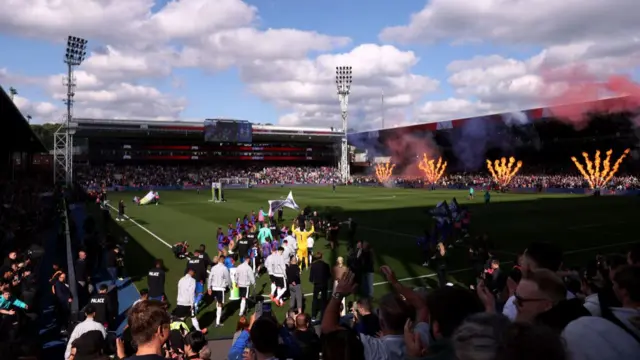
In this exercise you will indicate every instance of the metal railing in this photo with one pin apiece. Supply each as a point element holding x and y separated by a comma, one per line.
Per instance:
<point>71,273</point>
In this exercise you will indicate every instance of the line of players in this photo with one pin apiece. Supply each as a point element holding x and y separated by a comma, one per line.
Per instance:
<point>270,249</point>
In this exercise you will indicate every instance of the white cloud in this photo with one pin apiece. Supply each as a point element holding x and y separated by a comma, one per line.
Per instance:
<point>211,35</point>
<point>41,112</point>
<point>583,44</point>
<point>308,86</point>
<point>541,22</point>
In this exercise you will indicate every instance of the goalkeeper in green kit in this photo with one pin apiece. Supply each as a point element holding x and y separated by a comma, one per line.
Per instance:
<point>264,233</point>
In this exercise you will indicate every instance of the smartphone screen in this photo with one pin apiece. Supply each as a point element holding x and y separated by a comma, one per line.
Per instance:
<point>266,308</point>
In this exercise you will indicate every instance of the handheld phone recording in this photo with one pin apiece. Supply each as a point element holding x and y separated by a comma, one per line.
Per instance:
<point>266,308</point>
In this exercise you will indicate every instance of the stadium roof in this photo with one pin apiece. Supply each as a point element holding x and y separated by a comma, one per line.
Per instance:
<point>615,104</point>
<point>17,135</point>
<point>133,128</point>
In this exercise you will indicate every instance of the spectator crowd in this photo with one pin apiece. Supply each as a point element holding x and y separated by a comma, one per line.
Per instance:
<point>27,214</point>
<point>152,175</point>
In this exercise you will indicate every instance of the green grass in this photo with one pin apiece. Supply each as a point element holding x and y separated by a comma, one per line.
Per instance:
<point>390,219</point>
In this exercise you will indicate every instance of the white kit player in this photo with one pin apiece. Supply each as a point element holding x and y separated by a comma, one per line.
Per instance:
<point>244,279</point>
<point>219,281</point>
<point>279,272</point>
<point>185,304</point>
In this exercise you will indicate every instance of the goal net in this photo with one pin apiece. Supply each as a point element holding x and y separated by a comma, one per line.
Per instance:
<point>234,183</point>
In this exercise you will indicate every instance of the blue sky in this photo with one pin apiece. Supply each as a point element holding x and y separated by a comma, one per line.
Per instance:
<point>494,60</point>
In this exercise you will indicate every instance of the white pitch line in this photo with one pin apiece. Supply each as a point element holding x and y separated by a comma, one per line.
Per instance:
<point>600,247</point>
<point>143,228</point>
<point>401,234</point>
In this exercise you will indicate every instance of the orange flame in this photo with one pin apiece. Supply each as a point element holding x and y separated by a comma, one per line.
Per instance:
<point>384,171</point>
<point>595,176</point>
<point>503,172</point>
<point>432,170</point>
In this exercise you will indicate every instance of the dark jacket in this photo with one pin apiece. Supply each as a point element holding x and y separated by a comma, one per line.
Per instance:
<point>320,273</point>
<point>559,316</point>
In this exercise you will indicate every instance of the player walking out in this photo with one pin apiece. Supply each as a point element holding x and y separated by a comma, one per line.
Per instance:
<point>301,239</point>
<point>279,268</point>
<point>264,233</point>
<point>268,264</point>
<point>186,298</point>
<point>244,278</point>
<point>471,191</point>
<point>219,281</point>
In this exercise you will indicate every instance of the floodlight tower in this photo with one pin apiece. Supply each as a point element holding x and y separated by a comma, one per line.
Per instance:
<point>343,83</point>
<point>63,137</point>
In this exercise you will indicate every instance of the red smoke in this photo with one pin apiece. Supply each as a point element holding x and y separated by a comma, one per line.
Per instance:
<point>583,92</point>
<point>406,152</point>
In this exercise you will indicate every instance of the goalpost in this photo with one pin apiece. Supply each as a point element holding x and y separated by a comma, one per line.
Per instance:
<point>217,188</point>
<point>216,192</point>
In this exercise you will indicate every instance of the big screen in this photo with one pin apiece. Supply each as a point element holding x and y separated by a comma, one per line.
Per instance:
<point>227,131</point>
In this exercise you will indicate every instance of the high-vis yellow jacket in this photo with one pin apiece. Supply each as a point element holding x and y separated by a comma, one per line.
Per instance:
<point>302,236</point>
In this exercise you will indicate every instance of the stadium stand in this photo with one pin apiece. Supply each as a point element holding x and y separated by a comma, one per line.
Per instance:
<point>535,308</point>
<point>29,239</point>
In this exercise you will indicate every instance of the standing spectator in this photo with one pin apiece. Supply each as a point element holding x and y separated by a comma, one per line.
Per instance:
<point>155,281</point>
<point>480,336</point>
<point>319,276</point>
<point>307,338</point>
<point>63,300</point>
<point>338,271</point>
<point>112,264</point>
<point>89,324</point>
<point>440,262</point>
<point>121,207</point>
<point>82,272</point>
<point>539,255</point>
<point>365,321</point>
<point>541,299</point>
<point>149,323</point>
<point>366,268</point>
<point>295,288</point>
<point>194,342</point>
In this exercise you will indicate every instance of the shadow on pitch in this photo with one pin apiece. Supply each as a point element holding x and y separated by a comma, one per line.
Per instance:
<point>572,223</point>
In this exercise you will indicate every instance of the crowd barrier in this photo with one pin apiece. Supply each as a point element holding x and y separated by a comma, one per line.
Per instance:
<point>527,190</point>
<point>71,274</point>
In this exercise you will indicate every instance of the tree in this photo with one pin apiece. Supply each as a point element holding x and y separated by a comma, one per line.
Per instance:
<point>12,92</point>
<point>45,133</point>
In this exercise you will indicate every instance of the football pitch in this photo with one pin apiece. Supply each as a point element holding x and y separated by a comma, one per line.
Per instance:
<point>389,219</point>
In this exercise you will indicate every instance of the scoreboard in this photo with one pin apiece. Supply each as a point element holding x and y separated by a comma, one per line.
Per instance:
<point>232,131</point>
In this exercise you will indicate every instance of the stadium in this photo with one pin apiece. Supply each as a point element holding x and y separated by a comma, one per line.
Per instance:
<point>391,192</point>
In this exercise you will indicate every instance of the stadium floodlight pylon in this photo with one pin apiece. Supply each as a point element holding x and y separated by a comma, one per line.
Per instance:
<point>344,77</point>
<point>63,138</point>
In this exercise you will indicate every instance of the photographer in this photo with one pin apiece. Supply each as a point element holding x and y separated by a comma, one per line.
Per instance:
<point>180,250</point>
